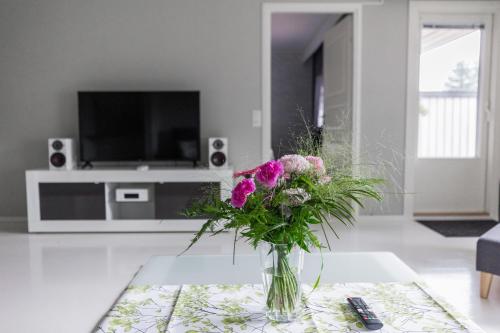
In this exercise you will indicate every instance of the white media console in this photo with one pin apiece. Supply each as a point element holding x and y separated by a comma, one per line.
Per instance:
<point>147,201</point>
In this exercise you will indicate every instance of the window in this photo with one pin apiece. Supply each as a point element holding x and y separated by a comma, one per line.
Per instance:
<point>449,91</point>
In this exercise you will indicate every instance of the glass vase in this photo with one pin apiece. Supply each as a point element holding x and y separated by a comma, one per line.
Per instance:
<point>281,270</point>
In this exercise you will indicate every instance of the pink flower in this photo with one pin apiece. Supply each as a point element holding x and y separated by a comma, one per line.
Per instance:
<point>238,199</point>
<point>241,191</point>
<point>317,164</point>
<point>294,164</point>
<point>269,173</point>
<point>246,172</point>
<point>246,186</point>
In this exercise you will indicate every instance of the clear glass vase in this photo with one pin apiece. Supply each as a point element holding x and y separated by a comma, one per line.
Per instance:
<point>281,270</point>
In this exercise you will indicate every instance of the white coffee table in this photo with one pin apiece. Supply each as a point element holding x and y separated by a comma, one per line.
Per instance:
<point>212,269</point>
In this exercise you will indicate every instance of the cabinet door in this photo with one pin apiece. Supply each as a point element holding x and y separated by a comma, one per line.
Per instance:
<point>173,198</point>
<point>72,201</point>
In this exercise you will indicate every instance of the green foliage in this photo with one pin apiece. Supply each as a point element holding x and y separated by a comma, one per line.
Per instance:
<point>267,218</point>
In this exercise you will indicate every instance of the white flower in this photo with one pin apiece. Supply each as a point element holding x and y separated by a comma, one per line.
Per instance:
<point>297,196</point>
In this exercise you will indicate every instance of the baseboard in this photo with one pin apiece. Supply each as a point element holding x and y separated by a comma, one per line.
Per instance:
<point>454,217</point>
<point>13,219</point>
<point>450,214</point>
<point>382,218</point>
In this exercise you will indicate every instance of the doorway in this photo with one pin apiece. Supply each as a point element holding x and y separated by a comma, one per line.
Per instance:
<point>326,56</point>
<point>450,171</point>
<point>450,158</point>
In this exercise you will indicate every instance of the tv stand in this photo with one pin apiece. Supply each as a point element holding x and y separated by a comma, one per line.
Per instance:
<point>142,167</point>
<point>94,200</point>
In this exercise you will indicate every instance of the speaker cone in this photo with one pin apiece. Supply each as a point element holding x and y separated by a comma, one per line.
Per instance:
<point>218,158</point>
<point>57,159</point>
<point>57,145</point>
<point>218,144</point>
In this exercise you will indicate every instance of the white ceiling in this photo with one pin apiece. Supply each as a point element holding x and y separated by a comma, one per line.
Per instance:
<point>292,32</point>
<point>433,38</point>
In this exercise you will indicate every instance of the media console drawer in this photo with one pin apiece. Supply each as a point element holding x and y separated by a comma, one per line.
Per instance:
<point>132,195</point>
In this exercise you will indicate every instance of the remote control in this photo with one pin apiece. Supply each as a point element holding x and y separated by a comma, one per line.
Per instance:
<point>368,318</point>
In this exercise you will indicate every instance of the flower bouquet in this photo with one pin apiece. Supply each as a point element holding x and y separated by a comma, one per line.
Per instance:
<point>275,206</point>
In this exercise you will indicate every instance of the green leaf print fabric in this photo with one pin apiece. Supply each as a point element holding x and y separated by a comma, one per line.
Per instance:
<point>145,309</point>
<point>402,307</point>
<point>227,308</point>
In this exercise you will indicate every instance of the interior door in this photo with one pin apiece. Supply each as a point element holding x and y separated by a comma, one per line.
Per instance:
<point>451,162</point>
<point>338,78</point>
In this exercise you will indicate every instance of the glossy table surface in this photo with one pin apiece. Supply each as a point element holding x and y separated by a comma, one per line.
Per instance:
<point>66,282</point>
<point>212,269</point>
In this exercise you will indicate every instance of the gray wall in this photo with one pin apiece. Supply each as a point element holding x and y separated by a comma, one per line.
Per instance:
<point>383,100</point>
<point>291,89</point>
<point>51,49</point>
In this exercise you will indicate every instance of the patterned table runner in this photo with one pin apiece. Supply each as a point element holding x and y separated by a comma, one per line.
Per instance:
<point>402,307</point>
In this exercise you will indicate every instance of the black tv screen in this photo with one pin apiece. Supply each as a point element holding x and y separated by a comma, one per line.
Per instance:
<point>139,126</point>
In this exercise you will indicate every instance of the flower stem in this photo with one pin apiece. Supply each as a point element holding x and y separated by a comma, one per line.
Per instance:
<point>282,294</point>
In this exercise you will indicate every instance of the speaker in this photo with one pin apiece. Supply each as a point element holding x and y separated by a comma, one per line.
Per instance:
<point>217,153</point>
<point>62,154</point>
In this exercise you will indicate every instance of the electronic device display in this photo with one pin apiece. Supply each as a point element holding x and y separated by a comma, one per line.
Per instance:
<point>139,126</point>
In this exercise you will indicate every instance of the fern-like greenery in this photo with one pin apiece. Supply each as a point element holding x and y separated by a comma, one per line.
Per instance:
<point>268,216</point>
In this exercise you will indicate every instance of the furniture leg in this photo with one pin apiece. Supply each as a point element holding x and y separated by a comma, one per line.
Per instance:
<point>486,279</point>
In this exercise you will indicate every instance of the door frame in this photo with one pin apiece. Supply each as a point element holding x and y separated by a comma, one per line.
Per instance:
<point>349,8</point>
<point>416,10</point>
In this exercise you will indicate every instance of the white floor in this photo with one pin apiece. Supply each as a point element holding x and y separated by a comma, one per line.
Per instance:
<point>65,282</point>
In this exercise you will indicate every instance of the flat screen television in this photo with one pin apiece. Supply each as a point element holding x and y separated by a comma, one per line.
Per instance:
<point>139,126</point>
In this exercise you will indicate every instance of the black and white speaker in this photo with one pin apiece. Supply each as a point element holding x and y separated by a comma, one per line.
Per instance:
<point>62,154</point>
<point>217,153</point>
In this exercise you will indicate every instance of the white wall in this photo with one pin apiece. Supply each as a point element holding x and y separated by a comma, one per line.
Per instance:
<point>51,49</point>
